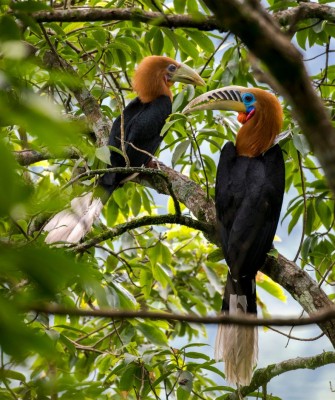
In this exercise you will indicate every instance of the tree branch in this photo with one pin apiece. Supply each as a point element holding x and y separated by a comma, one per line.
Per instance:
<point>202,22</point>
<point>224,319</point>
<point>302,288</point>
<point>264,375</point>
<point>139,222</point>
<point>28,157</point>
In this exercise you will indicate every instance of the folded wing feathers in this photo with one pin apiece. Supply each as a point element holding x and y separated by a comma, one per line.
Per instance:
<point>72,224</point>
<point>237,346</point>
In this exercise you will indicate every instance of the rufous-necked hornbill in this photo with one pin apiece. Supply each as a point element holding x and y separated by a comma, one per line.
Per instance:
<point>249,190</point>
<point>144,118</point>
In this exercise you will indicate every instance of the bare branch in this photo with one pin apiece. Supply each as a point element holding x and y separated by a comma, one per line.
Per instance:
<point>202,22</point>
<point>225,319</point>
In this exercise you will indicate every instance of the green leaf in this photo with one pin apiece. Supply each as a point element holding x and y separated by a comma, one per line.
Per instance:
<point>160,275</point>
<point>9,30</point>
<point>146,282</point>
<point>179,151</point>
<point>187,47</point>
<point>30,6</point>
<point>182,394</point>
<point>301,144</point>
<point>100,36</point>
<point>128,377</point>
<point>194,345</point>
<point>178,101</point>
<point>179,6</point>
<point>324,212</point>
<point>153,334</point>
<point>136,203</point>
<point>158,43</point>
<point>216,255</point>
<point>202,40</point>
<point>271,287</point>
<point>122,298</point>
<point>103,153</point>
<point>9,179</point>
<point>194,354</point>
<point>167,126</point>
<point>296,214</point>
<point>10,374</point>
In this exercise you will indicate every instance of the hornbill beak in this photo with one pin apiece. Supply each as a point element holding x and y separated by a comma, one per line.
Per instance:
<point>228,98</point>
<point>185,74</point>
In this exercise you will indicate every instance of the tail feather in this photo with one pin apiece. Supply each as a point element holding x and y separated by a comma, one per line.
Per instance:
<point>237,345</point>
<point>72,224</point>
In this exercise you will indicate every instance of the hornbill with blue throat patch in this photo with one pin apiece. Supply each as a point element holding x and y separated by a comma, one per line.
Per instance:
<point>144,118</point>
<point>249,189</point>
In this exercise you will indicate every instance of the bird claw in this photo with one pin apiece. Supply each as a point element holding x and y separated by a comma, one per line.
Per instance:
<point>154,164</point>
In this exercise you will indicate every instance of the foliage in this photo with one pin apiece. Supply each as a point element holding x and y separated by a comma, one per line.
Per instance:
<point>172,268</point>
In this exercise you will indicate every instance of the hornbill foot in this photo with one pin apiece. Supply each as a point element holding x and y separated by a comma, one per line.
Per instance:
<point>154,163</point>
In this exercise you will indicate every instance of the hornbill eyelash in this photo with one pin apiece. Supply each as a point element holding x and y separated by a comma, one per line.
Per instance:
<point>171,68</point>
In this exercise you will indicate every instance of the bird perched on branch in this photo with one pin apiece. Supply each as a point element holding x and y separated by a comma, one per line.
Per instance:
<point>143,120</point>
<point>249,190</point>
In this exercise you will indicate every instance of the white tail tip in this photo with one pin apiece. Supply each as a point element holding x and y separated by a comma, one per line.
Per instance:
<point>237,346</point>
<point>72,224</point>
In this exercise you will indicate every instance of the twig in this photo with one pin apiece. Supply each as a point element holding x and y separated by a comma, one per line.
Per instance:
<point>304,221</point>
<point>297,338</point>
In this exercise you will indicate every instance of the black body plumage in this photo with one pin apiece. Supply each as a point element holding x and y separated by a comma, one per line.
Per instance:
<point>248,196</point>
<point>143,123</point>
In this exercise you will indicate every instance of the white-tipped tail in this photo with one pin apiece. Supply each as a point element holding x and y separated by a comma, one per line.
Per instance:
<point>237,346</point>
<point>72,224</point>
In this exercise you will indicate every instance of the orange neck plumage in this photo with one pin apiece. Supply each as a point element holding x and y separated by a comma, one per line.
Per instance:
<point>149,81</point>
<point>257,134</point>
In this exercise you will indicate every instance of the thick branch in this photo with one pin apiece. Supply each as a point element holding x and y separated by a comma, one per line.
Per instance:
<point>262,376</point>
<point>187,191</point>
<point>225,319</point>
<point>305,11</point>
<point>302,288</point>
<point>203,22</point>
<point>28,157</point>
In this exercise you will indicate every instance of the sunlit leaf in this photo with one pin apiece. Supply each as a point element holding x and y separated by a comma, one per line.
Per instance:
<point>270,286</point>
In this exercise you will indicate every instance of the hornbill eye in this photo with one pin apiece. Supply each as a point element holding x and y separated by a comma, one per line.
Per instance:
<point>171,68</point>
<point>248,98</point>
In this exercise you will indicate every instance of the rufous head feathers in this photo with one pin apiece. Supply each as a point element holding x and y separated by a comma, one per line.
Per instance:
<point>156,74</point>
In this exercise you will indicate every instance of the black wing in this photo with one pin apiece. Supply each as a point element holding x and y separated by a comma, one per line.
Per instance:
<point>143,123</point>
<point>248,196</point>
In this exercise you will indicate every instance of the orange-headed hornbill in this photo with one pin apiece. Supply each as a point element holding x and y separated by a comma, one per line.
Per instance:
<point>249,190</point>
<point>144,117</point>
